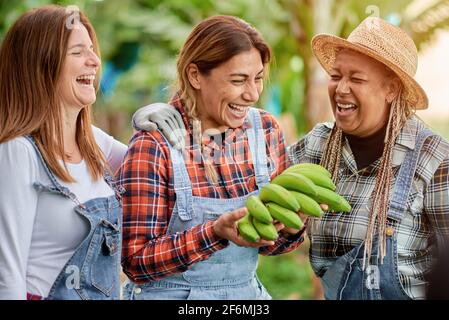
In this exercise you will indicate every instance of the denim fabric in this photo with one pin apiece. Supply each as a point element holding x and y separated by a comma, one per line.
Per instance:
<point>93,271</point>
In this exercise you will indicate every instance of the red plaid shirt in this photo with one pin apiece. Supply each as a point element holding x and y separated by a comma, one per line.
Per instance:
<point>147,175</point>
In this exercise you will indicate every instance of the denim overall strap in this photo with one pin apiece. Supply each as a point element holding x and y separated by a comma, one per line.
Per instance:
<point>405,178</point>
<point>118,189</point>
<point>257,146</point>
<point>182,185</point>
<point>57,186</point>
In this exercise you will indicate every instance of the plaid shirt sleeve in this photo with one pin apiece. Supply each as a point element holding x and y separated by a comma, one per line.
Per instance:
<point>436,201</point>
<point>148,253</point>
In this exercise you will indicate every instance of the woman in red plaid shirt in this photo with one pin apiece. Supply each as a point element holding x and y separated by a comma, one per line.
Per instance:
<point>181,207</point>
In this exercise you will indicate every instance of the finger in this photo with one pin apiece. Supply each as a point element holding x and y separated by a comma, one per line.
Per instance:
<point>171,134</point>
<point>279,226</point>
<point>324,206</point>
<point>237,214</point>
<point>240,241</point>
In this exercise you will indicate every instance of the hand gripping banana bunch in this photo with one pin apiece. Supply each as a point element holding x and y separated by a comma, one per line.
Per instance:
<point>301,187</point>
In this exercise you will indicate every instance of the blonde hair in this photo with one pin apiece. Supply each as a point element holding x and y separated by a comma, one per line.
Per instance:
<point>400,112</point>
<point>212,42</point>
<point>32,56</point>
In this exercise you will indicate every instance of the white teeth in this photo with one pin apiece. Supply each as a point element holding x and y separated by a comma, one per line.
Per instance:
<point>346,106</point>
<point>238,108</point>
<point>90,77</point>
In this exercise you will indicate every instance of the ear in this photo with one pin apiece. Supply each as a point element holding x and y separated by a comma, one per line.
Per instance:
<point>393,89</point>
<point>194,76</point>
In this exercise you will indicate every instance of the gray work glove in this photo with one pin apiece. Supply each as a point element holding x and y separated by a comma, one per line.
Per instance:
<point>165,117</point>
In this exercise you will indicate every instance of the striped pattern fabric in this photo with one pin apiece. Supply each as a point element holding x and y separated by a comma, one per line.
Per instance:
<point>147,175</point>
<point>427,213</point>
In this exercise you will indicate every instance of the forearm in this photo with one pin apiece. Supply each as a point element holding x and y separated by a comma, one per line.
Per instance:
<point>164,255</point>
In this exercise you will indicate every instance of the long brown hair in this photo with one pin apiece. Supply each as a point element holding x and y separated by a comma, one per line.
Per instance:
<point>212,42</point>
<point>32,56</point>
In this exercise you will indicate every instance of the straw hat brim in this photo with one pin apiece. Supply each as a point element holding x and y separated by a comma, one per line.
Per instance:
<point>325,48</point>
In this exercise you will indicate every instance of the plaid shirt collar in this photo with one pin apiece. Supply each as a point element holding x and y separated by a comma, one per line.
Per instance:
<point>208,141</point>
<point>405,142</point>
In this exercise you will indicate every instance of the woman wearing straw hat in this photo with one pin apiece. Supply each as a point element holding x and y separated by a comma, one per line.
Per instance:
<point>390,167</point>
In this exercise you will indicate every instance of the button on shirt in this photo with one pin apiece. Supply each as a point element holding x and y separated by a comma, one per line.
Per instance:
<point>427,206</point>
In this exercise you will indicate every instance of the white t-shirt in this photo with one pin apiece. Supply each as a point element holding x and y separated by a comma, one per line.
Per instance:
<point>38,235</point>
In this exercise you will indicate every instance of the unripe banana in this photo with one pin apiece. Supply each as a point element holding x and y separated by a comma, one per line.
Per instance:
<point>332,199</point>
<point>287,217</point>
<point>317,178</point>
<point>258,210</point>
<point>308,205</point>
<point>344,206</point>
<point>312,166</point>
<point>266,231</point>
<point>275,193</point>
<point>296,182</point>
<point>247,230</point>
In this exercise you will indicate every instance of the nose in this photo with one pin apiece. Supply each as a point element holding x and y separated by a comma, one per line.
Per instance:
<point>252,92</point>
<point>343,87</point>
<point>93,60</point>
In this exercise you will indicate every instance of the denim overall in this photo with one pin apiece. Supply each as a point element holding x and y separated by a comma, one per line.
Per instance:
<point>229,273</point>
<point>93,271</point>
<point>345,278</point>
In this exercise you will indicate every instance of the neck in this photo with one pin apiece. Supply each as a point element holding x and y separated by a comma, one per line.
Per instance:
<point>69,118</point>
<point>367,149</point>
<point>209,125</point>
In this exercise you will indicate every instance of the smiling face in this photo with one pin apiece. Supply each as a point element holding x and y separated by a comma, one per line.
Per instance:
<point>360,90</point>
<point>80,67</point>
<point>225,94</point>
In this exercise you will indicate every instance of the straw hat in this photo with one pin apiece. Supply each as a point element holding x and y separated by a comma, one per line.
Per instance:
<point>383,42</point>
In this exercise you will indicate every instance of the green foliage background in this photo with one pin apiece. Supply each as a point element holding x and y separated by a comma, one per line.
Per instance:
<point>161,26</point>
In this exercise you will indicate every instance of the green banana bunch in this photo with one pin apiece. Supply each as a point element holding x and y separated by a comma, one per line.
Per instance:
<point>278,194</point>
<point>247,230</point>
<point>287,217</point>
<point>302,187</point>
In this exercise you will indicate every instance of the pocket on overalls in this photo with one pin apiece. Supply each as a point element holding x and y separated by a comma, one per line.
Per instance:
<point>105,263</point>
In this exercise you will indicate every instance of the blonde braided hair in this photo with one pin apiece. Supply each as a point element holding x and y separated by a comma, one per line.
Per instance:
<point>400,111</point>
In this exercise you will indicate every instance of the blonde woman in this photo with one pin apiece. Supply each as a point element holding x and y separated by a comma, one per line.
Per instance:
<point>60,214</point>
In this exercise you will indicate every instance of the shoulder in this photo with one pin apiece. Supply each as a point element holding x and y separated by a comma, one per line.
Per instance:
<point>102,139</point>
<point>310,147</point>
<point>19,146</point>
<point>434,150</point>
<point>269,121</point>
<point>18,156</point>
<point>152,144</point>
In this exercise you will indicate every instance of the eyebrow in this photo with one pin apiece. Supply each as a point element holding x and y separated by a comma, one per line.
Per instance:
<point>244,74</point>
<point>79,45</point>
<point>351,72</point>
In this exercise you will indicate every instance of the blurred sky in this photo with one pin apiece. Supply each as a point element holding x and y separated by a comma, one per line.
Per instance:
<point>433,74</point>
